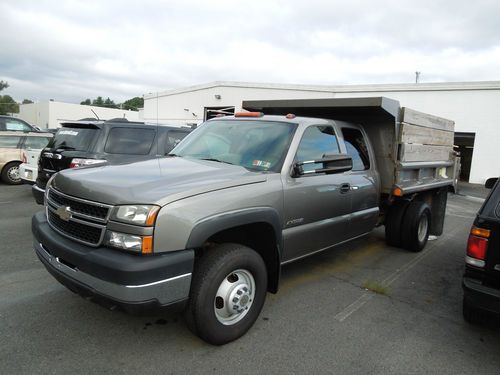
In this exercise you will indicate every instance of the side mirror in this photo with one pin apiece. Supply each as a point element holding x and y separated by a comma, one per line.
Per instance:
<point>490,182</point>
<point>331,164</point>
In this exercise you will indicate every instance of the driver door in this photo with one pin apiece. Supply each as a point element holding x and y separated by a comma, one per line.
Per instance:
<point>317,206</point>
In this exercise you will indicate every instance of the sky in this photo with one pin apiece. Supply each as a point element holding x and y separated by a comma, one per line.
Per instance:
<point>73,50</point>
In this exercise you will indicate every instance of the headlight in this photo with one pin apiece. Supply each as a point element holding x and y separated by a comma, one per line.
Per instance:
<point>130,242</point>
<point>136,214</point>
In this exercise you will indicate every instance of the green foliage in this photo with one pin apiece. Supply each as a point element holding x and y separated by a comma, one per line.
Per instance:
<point>3,85</point>
<point>133,104</point>
<point>8,105</point>
<point>27,101</point>
<point>110,104</point>
<point>86,102</point>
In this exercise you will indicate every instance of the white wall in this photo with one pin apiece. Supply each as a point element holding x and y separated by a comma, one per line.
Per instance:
<point>50,114</point>
<point>475,108</point>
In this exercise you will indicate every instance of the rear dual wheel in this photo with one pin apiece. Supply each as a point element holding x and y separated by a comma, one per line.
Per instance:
<point>228,291</point>
<point>408,225</point>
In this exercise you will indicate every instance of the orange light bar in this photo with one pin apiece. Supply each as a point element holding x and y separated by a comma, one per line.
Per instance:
<point>150,220</point>
<point>480,232</point>
<point>290,116</point>
<point>147,245</point>
<point>248,114</point>
<point>397,191</point>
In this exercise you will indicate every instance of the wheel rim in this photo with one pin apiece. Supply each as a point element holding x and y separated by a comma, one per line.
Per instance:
<point>13,174</point>
<point>422,228</point>
<point>235,297</point>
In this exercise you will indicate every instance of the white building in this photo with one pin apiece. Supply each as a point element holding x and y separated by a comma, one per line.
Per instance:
<point>474,106</point>
<point>49,114</point>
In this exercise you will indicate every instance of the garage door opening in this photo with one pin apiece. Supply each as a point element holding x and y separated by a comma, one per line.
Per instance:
<point>211,112</point>
<point>464,145</point>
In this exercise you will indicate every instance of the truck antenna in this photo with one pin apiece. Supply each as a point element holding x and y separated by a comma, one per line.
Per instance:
<point>95,114</point>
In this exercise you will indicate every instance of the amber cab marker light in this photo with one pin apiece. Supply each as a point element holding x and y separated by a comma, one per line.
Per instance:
<point>290,116</point>
<point>397,192</point>
<point>150,220</point>
<point>248,114</point>
<point>147,245</point>
<point>480,232</point>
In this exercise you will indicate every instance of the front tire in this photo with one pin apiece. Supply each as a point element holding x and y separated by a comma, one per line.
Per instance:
<point>10,174</point>
<point>228,291</point>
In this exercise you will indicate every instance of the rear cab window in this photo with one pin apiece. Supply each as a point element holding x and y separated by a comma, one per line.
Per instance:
<point>318,141</point>
<point>73,138</point>
<point>356,148</point>
<point>129,141</point>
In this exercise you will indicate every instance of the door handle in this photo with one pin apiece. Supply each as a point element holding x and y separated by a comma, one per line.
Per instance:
<point>345,188</point>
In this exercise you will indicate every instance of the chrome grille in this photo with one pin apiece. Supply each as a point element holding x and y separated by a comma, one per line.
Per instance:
<point>92,210</point>
<point>85,222</point>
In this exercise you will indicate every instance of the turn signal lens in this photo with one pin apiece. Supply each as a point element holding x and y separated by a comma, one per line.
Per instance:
<point>147,245</point>
<point>480,232</point>
<point>152,215</point>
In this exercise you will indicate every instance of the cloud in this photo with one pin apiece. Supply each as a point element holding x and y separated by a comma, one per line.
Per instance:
<point>72,50</point>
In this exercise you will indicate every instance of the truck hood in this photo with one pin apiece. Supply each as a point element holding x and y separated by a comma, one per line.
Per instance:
<point>152,181</point>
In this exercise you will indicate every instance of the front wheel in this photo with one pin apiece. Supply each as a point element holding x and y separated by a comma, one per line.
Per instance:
<point>227,293</point>
<point>10,174</point>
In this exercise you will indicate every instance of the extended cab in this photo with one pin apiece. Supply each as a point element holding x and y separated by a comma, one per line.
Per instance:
<point>208,227</point>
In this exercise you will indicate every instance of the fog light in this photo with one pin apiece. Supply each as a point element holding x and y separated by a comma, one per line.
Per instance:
<point>124,241</point>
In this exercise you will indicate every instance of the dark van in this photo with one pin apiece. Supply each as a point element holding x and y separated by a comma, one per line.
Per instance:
<point>82,143</point>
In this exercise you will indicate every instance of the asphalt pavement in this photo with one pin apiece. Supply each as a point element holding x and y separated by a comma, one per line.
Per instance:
<point>323,320</point>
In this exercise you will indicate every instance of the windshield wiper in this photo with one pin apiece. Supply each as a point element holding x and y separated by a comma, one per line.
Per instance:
<point>217,160</point>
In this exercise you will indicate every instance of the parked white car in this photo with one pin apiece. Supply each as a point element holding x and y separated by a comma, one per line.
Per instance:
<point>28,170</point>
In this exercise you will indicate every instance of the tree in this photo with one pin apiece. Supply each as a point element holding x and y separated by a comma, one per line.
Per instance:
<point>27,101</point>
<point>86,102</point>
<point>98,102</point>
<point>109,103</point>
<point>8,105</point>
<point>133,104</point>
<point>3,85</point>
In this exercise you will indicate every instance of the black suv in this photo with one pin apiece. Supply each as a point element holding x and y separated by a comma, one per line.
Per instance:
<point>481,281</point>
<point>118,141</point>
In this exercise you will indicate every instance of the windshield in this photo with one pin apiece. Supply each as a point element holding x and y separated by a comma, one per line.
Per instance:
<point>255,145</point>
<point>78,139</point>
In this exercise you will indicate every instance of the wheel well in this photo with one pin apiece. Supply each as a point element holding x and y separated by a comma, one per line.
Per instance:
<point>9,163</point>
<point>260,237</point>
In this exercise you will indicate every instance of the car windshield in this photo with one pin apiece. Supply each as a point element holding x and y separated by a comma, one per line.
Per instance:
<point>255,145</point>
<point>73,138</point>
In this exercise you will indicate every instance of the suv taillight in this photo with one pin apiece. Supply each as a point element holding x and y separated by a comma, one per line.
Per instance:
<point>477,245</point>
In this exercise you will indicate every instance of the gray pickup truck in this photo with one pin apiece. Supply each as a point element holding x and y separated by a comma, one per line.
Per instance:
<point>207,228</point>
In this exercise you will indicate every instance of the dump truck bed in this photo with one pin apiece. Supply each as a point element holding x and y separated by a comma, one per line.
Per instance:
<point>413,150</point>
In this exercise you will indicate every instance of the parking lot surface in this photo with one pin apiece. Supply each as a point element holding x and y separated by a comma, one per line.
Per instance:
<point>324,319</point>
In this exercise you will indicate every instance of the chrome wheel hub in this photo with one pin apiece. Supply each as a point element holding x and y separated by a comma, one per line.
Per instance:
<point>14,173</point>
<point>422,228</point>
<point>234,297</point>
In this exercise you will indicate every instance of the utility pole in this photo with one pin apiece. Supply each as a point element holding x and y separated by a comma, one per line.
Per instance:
<point>417,77</point>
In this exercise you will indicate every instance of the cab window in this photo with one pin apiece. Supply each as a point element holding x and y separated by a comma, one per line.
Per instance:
<point>356,148</point>
<point>9,142</point>
<point>129,141</point>
<point>36,142</point>
<point>16,125</point>
<point>173,139</point>
<point>317,142</point>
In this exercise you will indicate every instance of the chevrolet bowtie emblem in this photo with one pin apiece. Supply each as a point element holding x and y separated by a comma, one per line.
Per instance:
<point>64,212</point>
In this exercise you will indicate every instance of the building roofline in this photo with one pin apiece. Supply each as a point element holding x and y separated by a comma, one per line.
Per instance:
<point>433,86</point>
